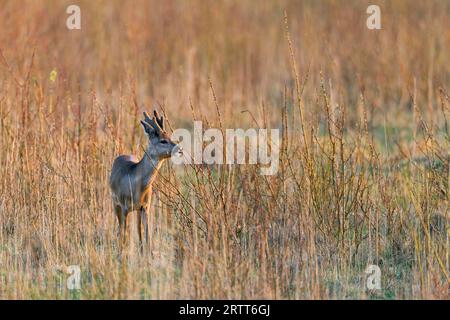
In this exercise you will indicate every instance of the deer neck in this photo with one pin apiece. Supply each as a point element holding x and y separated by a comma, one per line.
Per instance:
<point>148,167</point>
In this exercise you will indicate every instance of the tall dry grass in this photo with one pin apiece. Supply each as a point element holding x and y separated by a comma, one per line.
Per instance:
<point>364,165</point>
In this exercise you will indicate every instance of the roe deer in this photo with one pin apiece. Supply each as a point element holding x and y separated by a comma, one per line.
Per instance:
<point>131,180</point>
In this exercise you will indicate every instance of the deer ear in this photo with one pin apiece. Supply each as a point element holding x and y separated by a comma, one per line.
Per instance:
<point>148,129</point>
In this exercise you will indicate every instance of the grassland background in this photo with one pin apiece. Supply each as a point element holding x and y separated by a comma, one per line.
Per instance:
<point>363,175</point>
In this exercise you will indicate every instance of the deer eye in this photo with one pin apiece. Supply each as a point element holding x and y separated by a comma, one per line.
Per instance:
<point>164,141</point>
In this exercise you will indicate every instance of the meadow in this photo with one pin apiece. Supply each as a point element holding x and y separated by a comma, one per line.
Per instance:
<point>363,177</point>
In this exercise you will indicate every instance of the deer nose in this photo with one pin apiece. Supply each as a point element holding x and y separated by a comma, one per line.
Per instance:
<point>177,150</point>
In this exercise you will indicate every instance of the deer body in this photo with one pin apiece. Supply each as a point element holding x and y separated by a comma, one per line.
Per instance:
<point>131,180</point>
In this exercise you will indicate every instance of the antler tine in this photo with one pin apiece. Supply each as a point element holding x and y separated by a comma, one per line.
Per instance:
<point>152,122</point>
<point>147,118</point>
<point>159,120</point>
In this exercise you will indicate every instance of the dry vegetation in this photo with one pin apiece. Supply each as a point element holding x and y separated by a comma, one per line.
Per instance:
<point>363,176</point>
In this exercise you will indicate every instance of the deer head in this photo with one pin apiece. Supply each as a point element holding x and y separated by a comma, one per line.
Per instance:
<point>160,145</point>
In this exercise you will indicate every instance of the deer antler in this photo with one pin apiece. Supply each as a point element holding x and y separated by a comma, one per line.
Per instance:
<point>159,120</point>
<point>155,124</point>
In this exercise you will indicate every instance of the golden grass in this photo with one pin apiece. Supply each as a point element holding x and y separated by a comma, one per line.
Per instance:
<point>363,176</point>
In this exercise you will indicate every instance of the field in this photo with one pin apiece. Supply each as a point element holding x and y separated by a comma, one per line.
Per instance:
<point>363,177</point>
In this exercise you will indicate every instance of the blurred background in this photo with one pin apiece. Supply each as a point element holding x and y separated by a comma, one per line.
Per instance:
<point>168,50</point>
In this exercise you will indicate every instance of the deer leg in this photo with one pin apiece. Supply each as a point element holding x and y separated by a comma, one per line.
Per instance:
<point>118,212</point>
<point>124,229</point>
<point>139,230</point>
<point>145,223</point>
